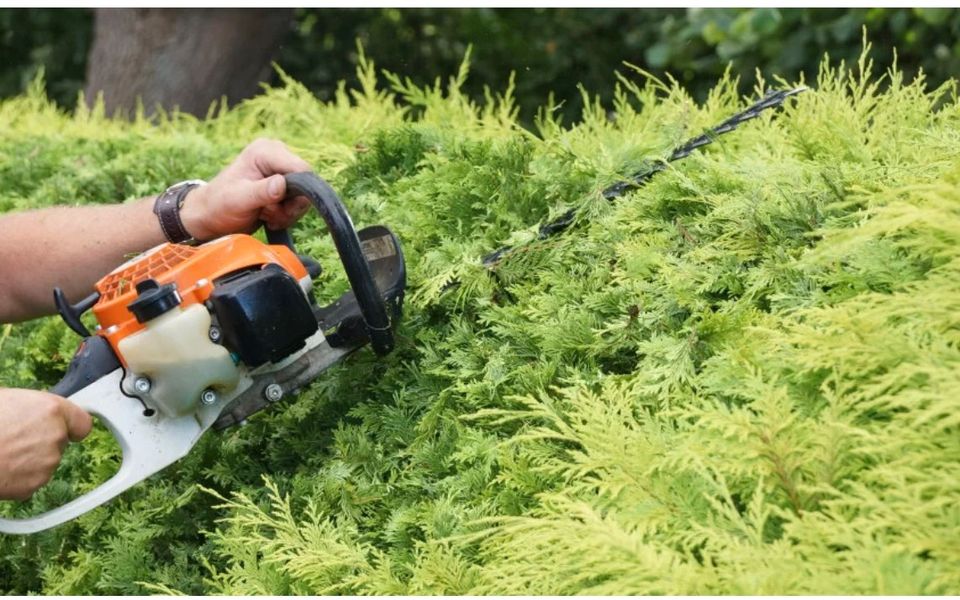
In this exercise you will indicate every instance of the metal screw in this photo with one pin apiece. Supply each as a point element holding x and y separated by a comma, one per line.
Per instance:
<point>214,334</point>
<point>142,385</point>
<point>273,392</point>
<point>208,396</point>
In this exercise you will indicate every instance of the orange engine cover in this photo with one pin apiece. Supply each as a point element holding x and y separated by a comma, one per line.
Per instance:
<point>192,268</point>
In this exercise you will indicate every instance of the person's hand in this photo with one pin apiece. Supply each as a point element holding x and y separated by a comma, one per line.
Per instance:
<point>34,429</point>
<point>248,190</point>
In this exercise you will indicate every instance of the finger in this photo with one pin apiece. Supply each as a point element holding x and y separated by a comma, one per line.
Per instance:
<point>62,436</point>
<point>272,216</point>
<point>282,221</point>
<point>273,156</point>
<point>285,214</point>
<point>275,218</point>
<point>295,208</point>
<point>79,423</point>
<point>278,221</point>
<point>263,193</point>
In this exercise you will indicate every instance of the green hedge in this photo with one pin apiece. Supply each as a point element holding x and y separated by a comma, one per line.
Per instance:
<point>739,379</point>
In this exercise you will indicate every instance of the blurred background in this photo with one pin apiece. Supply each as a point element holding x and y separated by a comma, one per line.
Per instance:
<point>192,57</point>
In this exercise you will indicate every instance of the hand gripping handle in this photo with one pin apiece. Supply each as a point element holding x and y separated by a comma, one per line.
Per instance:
<point>148,444</point>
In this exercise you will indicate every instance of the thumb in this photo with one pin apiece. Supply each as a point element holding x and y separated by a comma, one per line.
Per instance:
<point>79,423</point>
<point>268,191</point>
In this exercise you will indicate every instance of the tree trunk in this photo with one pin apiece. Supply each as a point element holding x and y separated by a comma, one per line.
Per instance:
<point>186,58</point>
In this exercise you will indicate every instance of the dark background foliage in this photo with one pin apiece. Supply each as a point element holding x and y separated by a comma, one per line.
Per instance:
<point>54,40</point>
<point>551,50</point>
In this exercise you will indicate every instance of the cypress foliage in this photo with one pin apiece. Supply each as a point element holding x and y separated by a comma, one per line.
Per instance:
<point>741,378</point>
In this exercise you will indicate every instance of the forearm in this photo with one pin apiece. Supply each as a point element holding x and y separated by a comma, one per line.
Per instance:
<point>68,247</point>
<point>72,248</point>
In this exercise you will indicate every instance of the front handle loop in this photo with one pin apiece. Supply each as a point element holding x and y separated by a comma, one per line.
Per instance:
<point>341,228</point>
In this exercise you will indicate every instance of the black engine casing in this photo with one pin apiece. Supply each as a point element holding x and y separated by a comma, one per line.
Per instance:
<point>263,315</point>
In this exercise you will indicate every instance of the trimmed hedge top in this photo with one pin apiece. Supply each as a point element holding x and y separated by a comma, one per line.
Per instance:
<point>742,378</point>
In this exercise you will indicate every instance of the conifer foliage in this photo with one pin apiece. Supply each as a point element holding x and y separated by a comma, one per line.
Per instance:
<point>741,378</point>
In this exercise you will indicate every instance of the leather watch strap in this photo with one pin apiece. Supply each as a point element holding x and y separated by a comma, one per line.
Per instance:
<point>167,208</point>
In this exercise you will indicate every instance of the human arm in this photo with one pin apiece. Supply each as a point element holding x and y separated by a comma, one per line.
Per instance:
<point>72,247</point>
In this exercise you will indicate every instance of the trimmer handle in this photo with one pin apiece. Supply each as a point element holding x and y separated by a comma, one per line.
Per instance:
<point>148,445</point>
<point>328,204</point>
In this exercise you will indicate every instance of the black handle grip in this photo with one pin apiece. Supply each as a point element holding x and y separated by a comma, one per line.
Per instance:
<point>70,313</point>
<point>279,237</point>
<point>328,204</point>
<point>93,360</point>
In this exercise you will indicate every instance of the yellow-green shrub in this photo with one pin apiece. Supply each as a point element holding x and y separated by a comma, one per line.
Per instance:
<point>740,378</point>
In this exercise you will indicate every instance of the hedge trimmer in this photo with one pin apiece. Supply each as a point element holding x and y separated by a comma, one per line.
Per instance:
<point>193,338</point>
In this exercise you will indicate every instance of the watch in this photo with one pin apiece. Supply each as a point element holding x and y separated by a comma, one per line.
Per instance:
<point>167,208</point>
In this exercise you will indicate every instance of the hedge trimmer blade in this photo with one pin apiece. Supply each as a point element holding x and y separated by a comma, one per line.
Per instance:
<point>772,99</point>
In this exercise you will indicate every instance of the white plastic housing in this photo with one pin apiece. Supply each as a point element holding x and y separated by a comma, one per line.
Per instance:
<point>176,353</point>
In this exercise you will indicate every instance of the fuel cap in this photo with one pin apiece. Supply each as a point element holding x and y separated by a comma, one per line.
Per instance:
<point>153,300</point>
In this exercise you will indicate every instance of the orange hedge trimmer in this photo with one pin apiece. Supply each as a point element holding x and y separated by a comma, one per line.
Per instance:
<point>191,338</point>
